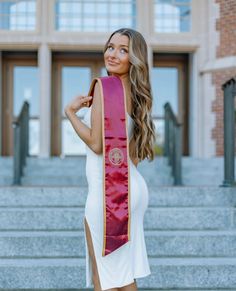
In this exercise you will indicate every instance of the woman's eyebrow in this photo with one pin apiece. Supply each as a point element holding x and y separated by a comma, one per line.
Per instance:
<point>119,45</point>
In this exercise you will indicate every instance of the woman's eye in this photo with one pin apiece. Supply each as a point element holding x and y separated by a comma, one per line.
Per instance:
<point>123,50</point>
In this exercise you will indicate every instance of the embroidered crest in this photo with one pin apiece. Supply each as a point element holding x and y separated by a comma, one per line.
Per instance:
<point>116,156</point>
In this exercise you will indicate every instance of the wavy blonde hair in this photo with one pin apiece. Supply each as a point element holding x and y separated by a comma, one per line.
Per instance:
<point>141,95</point>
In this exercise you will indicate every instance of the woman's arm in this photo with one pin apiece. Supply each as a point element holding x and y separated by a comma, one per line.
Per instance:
<point>91,136</point>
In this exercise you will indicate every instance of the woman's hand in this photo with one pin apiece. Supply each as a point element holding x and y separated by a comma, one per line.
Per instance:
<point>78,102</point>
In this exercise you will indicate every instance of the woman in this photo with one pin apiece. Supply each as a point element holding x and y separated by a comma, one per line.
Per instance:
<point>125,56</point>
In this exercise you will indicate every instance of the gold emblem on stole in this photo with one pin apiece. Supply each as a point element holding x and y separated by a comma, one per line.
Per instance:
<point>116,156</point>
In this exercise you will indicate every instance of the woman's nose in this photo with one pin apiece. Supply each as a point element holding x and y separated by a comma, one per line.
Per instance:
<point>113,53</point>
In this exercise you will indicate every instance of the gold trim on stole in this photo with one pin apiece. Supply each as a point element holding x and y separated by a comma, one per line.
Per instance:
<point>128,162</point>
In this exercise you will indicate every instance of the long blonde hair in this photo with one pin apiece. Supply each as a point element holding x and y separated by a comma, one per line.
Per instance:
<point>141,95</point>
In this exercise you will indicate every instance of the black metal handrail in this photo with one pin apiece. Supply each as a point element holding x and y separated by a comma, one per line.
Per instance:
<point>229,89</point>
<point>21,143</point>
<point>173,143</point>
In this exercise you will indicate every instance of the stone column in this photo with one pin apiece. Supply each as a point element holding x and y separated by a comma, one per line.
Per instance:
<point>144,22</point>
<point>44,63</point>
<point>45,99</point>
<point>0,102</point>
<point>194,106</point>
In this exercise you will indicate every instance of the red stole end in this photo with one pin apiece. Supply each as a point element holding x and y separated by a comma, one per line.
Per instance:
<point>116,188</point>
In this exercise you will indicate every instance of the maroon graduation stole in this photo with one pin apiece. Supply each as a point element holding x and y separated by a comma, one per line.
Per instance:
<point>116,187</point>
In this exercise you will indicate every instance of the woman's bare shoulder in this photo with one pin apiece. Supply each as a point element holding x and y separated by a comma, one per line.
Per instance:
<point>96,95</point>
<point>96,112</point>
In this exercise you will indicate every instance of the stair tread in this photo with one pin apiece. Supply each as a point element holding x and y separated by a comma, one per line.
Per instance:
<point>154,232</point>
<point>153,261</point>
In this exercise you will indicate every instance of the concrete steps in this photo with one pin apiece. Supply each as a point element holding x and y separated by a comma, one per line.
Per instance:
<point>6,170</point>
<point>166,273</point>
<point>190,231</point>
<point>34,218</point>
<point>70,171</point>
<point>69,244</point>
<point>190,234</point>
<point>198,171</point>
<point>23,196</point>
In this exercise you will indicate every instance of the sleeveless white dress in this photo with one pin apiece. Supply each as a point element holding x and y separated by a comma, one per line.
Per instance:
<point>129,261</point>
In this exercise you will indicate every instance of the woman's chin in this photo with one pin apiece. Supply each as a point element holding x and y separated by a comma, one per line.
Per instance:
<point>113,71</point>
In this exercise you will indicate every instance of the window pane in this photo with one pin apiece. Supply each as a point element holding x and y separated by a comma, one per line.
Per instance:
<point>18,15</point>
<point>160,135</point>
<point>103,72</point>
<point>165,89</point>
<point>71,143</point>
<point>34,137</point>
<point>26,88</point>
<point>94,15</point>
<point>75,80</point>
<point>172,15</point>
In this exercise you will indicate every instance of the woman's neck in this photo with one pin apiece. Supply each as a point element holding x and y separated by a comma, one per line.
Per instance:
<point>125,80</point>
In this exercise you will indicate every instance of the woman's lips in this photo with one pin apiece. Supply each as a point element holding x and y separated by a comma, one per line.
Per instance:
<point>112,63</point>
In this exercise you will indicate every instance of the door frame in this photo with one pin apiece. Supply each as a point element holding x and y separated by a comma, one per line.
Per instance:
<point>179,61</point>
<point>9,61</point>
<point>60,60</point>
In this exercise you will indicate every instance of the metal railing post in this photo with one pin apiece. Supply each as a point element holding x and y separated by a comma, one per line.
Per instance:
<point>21,143</point>
<point>17,149</point>
<point>229,89</point>
<point>167,134</point>
<point>173,144</point>
<point>178,154</point>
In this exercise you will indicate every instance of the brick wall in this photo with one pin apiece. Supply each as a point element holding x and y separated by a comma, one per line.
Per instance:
<point>226,25</point>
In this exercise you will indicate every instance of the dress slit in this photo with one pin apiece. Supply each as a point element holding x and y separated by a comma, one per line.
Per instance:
<point>89,270</point>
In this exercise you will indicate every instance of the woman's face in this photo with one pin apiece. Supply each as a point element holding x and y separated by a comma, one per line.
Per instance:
<point>116,56</point>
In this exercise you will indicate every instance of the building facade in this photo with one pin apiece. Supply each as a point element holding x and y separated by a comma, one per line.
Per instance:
<point>50,50</point>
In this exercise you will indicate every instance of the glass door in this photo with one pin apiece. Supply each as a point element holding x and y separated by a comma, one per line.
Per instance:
<point>72,78</point>
<point>20,83</point>
<point>169,84</point>
<point>75,81</point>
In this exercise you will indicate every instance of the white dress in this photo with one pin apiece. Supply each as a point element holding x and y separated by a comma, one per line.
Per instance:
<point>129,261</point>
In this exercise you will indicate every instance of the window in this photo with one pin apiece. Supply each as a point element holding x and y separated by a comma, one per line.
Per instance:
<point>73,78</point>
<point>172,15</point>
<point>18,15</point>
<point>94,15</point>
<point>26,88</point>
